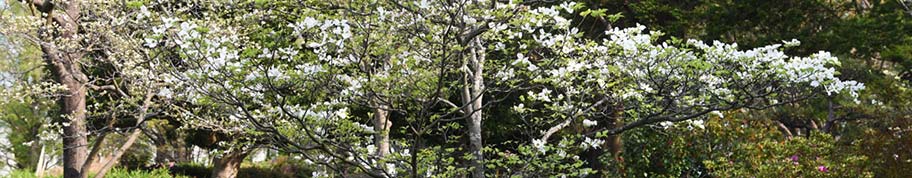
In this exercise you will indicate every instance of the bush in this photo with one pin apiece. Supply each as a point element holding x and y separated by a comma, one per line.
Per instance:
<point>19,173</point>
<point>114,173</point>
<point>198,170</point>
<point>155,173</point>
<point>191,170</point>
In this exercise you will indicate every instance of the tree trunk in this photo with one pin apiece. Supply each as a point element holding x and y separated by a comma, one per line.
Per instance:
<point>140,117</point>
<point>784,129</point>
<point>228,164</point>
<point>96,146</point>
<point>64,64</point>
<point>118,153</point>
<point>74,133</point>
<point>473,88</point>
<point>831,117</point>
<point>39,167</point>
<point>614,143</point>
<point>381,134</point>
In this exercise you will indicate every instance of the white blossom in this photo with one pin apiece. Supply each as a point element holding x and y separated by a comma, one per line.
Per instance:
<point>540,145</point>
<point>591,143</point>
<point>589,123</point>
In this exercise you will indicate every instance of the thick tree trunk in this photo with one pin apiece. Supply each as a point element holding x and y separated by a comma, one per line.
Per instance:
<point>381,135</point>
<point>228,164</point>
<point>74,132</point>
<point>64,64</point>
<point>473,90</point>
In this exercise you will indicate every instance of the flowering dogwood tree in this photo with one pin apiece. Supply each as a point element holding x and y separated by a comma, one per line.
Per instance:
<point>326,80</point>
<point>95,64</point>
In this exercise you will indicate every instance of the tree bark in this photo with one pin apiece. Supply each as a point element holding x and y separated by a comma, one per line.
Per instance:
<point>785,130</point>
<point>74,133</point>
<point>96,146</point>
<point>614,144</point>
<point>473,88</point>
<point>118,153</point>
<point>228,164</point>
<point>39,167</point>
<point>381,135</point>
<point>140,118</point>
<point>64,64</point>
<point>831,117</point>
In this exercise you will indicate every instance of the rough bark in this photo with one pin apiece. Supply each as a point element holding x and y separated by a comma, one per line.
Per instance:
<point>74,133</point>
<point>227,165</point>
<point>64,64</point>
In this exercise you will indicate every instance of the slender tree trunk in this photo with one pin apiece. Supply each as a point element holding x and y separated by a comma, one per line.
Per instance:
<point>140,118</point>
<point>831,116</point>
<point>228,164</point>
<point>39,167</point>
<point>614,143</point>
<point>382,125</point>
<point>118,153</point>
<point>96,146</point>
<point>473,89</point>
<point>784,129</point>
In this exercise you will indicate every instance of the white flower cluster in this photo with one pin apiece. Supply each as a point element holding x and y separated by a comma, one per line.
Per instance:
<point>591,143</point>
<point>589,123</point>
<point>331,31</point>
<point>632,66</point>
<point>540,145</point>
<point>812,70</point>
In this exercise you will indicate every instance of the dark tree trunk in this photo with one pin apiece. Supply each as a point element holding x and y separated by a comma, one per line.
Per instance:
<point>64,64</point>
<point>74,133</point>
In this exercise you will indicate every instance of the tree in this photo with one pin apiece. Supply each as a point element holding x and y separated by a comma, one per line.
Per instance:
<point>241,74</point>
<point>100,69</point>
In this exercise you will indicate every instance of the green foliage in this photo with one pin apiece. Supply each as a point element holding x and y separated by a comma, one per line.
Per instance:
<point>156,173</point>
<point>282,169</point>
<point>191,170</point>
<point>813,156</point>
<point>738,147</point>
<point>22,173</point>
<point>413,60</point>
<point>114,173</point>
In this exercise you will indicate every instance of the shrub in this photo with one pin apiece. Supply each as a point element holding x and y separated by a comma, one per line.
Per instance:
<point>114,173</point>
<point>155,173</point>
<point>199,170</point>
